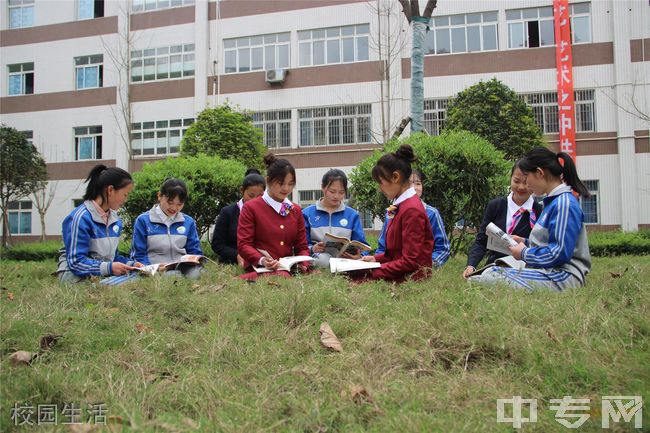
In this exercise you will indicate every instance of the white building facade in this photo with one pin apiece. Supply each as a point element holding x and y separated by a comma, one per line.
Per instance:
<point>75,73</point>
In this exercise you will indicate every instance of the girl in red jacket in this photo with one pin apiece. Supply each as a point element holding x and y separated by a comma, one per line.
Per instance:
<point>271,226</point>
<point>409,240</point>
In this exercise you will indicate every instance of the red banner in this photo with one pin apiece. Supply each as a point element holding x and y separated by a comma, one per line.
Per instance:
<point>564,65</point>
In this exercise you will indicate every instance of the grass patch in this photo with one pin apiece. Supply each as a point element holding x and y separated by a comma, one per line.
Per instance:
<point>219,354</point>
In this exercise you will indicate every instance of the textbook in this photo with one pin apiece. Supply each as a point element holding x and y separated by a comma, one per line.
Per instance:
<point>187,259</point>
<point>348,265</point>
<point>337,245</point>
<point>498,240</point>
<point>286,263</point>
<point>504,262</point>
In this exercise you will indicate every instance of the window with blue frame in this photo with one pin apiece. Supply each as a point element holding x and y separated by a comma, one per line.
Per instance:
<point>20,217</point>
<point>21,79</point>
<point>89,71</point>
<point>89,9</point>
<point>590,205</point>
<point>88,142</point>
<point>21,13</point>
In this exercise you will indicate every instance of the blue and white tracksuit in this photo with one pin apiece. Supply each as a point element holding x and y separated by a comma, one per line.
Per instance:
<point>344,222</point>
<point>90,245</point>
<point>441,247</point>
<point>557,253</point>
<point>158,238</point>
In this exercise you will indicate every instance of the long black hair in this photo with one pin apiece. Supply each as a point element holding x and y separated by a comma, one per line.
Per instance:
<point>101,177</point>
<point>541,157</point>
<point>400,160</point>
<point>174,188</point>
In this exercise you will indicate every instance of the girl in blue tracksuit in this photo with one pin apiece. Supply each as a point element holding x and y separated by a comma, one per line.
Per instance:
<point>557,252</point>
<point>91,232</point>
<point>331,215</point>
<point>441,247</point>
<point>164,234</point>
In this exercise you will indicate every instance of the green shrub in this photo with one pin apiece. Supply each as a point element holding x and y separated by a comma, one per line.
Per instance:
<point>33,251</point>
<point>212,183</point>
<point>462,172</point>
<point>604,244</point>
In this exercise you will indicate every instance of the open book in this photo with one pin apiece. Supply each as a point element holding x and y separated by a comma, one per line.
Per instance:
<point>186,260</point>
<point>337,245</point>
<point>286,263</point>
<point>498,240</point>
<point>504,262</point>
<point>348,265</point>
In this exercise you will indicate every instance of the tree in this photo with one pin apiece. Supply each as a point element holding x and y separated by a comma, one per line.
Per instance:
<point>495,112</point>
<point>42,199</point>
<point>462,172</point>
<point>227,133</point>
<point>212,183</point>
<point>22,171</point>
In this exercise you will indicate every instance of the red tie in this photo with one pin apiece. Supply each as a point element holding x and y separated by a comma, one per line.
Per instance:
<point>517,216</point>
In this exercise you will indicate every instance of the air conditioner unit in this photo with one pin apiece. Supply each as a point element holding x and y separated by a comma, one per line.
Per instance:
<point>274,76</point>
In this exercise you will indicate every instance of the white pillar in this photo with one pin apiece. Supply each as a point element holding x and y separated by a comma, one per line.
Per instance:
<point>201,56</point>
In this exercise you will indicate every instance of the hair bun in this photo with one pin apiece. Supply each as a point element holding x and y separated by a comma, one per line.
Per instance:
<point>269,159</point>
<point>252,171</point>
<point>405,153</point>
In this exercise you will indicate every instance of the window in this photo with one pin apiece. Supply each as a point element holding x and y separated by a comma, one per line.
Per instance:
<point>162,63</point>
<point>580,23</point>
<point>367,222</point>
<point>89,71</point>
<point>275,126</point>
<point>88,9</point>
<point>87,142</point>
<point>254,53</point>
<point>462,33</point>
<point>21,13</point>
<point>590,205</point>
<point>346,124</point>
<point>21,79</point>
<point>535,27</point>
<point>29,135</point>
<point>435,112</point>
<point>545,110</point>
<point>162,137</point>
<point>309,196</point>
<point>333,45</point>
<point>530,27</point>
<point>20,217</point>
<point>150,5</point>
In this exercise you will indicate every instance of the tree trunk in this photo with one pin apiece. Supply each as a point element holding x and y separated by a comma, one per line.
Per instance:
<point>419,26</point>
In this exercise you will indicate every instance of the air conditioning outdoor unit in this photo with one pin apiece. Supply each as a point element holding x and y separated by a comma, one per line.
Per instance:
<point>274,76</point>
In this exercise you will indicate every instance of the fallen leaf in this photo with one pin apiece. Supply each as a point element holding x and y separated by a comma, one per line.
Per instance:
<point>83,428</point>
<point>116,419</point>
<point>328,339</point>
<point>10,296</point>
<point>113,310</point>
<point>618,274</point>
<point>191,423</point>
<point>552,336</point>
<point>22,357</point>
<point>49,341</point>
<point>141,327</point>
<point>360,395</point>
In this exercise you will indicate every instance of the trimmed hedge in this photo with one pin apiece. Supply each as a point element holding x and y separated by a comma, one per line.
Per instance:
<point>33,251</point>
<point>604,244</point>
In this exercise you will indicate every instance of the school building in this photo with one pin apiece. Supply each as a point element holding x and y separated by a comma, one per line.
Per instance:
<point>327,81</point>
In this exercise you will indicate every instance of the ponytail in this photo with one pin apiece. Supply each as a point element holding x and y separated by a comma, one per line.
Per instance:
<point>559,165</point>
<point>101,177</point>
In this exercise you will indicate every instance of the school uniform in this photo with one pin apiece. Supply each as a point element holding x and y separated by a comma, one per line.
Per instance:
<point>557,253</point>
<point>344,221</point>
<point>160,238</point>
<point>90,237</point>
<point>276,227</point>
<point>224,238</point>
<point>441,247</point>
<point>502,211</point>
<point>409,241</point>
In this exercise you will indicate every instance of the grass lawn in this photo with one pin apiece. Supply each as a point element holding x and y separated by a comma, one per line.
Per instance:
<point>223,355</point>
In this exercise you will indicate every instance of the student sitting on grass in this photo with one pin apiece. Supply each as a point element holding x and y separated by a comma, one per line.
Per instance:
<point>409,239</point>
<point>224,238</point>
<point>441,247</point>
<point>331,215</point>
<point>557,253</point>
<point>91,232</point>
<point>515,214</point>
<point>271,226</point>
<point>164,234</point>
